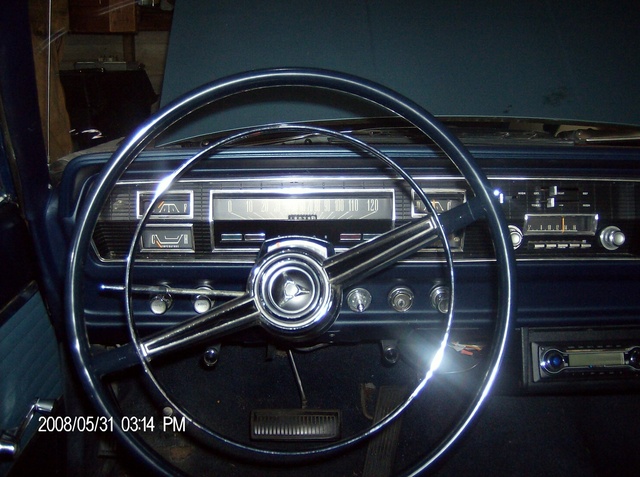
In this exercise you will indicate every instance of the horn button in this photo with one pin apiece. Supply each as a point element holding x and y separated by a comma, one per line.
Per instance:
<point>292,292</point>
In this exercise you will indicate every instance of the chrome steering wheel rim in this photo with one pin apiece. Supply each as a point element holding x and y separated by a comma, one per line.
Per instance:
<point>225,87</point>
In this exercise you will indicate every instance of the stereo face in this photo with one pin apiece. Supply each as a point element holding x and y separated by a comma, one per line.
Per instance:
<point>571,361</point>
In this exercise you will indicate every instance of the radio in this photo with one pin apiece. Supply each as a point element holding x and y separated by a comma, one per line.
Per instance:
<point>580,359</point>
<point>588,362</point>
<point>565,217</point>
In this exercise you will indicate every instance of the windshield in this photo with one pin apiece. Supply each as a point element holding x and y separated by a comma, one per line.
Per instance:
<point>110,67</point>
<point>504,59</point>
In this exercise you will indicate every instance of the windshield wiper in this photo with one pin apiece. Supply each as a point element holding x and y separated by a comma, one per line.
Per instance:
<point>601,136</point>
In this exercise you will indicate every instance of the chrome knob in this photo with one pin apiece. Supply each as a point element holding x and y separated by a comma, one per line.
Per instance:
<point>202,303</point>
<point>440,297</point>
<point>159,304</point>
<point>359,299</point>
<point>612,238</point>
<point>516,236</point>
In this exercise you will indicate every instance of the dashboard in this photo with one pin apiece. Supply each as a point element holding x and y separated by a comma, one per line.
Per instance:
<point>229,219</point>
<point>573,215</point>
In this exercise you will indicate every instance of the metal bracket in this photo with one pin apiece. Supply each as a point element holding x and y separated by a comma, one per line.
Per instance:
<point>10,439</point>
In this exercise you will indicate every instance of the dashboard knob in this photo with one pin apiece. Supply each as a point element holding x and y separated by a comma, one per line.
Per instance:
<point>440,297</point>
<point>359,299</point>
<point>159,304</point>
<point>202,303</point>
<point>612,238</point>
<point>516,236</point>
<point>553,361</point>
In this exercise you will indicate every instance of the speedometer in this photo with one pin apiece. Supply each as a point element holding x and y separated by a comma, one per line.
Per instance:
<point>241,219</point>
<point>247,205</point>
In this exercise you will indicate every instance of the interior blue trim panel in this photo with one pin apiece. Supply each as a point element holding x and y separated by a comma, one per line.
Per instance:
<point>29,361</point>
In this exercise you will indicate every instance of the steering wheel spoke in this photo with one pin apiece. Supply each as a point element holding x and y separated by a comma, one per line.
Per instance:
<point>383,251</point>
<point>365,259</point>
<point>462,216</point>
<point>113,360</point>
<point>235,315</point>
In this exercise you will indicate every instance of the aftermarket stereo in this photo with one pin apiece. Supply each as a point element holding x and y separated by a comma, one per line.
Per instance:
<point>586,362</point>
<point>583,355</point>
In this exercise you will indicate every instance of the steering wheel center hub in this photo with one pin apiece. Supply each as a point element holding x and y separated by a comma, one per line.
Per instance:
<point>290,289</point>
<point>293,294</point>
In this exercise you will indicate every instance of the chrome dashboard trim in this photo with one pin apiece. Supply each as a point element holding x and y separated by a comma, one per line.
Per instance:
<point>297,179</point>
<point>301,180</point>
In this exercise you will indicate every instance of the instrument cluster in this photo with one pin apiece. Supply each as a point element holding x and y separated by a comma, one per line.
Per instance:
<point>230,219</point>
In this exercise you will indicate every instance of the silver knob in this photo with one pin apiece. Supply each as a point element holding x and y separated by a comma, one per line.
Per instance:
<point>202,303</point>
<point>159,304</point>
<point>440,297</point>
<point>612,238</point>
<point>359,299</point>
<point>516,236</point>
<point>401,298</point>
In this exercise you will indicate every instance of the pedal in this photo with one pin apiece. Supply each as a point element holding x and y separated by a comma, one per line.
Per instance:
<point>382,447</point>
<point>295,425</point>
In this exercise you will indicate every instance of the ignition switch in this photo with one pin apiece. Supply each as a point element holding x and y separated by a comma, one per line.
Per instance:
<point>401,298</point>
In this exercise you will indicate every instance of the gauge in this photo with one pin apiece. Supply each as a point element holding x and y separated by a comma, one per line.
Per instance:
<point>441,200</point>
<point>554,224</point>
<point>167,238</point>
<point>302,207</point>
<point>173,205</point>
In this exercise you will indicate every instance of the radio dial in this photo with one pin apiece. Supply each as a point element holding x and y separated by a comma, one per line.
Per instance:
<point>553,361</point>
<point>516,236</point>
<point>612,238</point>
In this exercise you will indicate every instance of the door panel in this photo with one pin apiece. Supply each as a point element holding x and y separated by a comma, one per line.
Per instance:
<point>16,257</point>
<point>29,366</point>
<point>29,360</point>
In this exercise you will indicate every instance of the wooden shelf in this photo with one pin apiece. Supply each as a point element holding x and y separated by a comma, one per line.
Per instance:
<point>116,16</point>
<point>154,19</point>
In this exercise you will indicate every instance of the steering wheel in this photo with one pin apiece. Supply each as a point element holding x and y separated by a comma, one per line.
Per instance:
<point>305,272</point>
